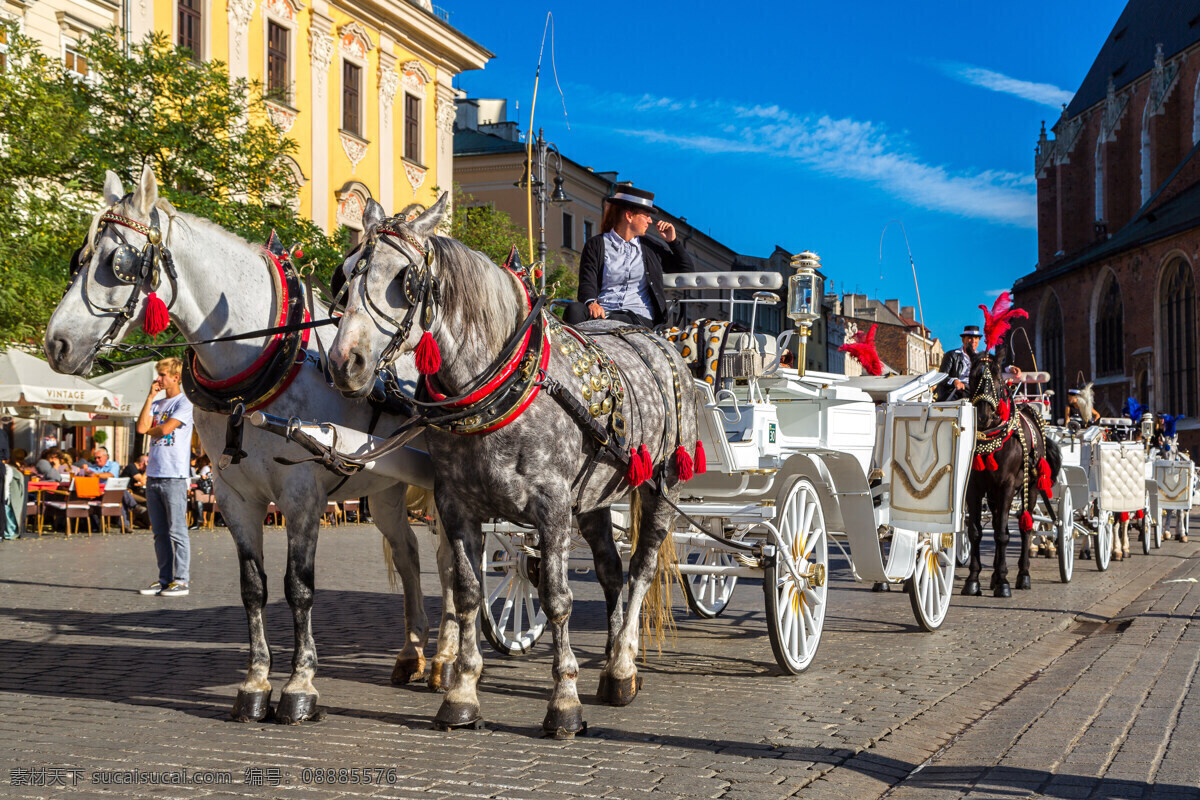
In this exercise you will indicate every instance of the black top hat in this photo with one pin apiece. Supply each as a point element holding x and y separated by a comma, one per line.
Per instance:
<point>971,330</point>
<point>637,198</point>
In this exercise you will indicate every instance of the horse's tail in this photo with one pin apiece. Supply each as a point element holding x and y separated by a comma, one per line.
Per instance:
<point>657,620</point>
<point>420,504</point>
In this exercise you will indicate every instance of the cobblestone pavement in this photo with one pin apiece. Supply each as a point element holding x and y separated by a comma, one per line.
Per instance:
<point>1076,690</point>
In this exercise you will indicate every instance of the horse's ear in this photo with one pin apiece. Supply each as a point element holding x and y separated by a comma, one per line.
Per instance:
<point>1001,354</point>
<point>425,225</point>
<point>373,215</point>
<point>113,190</point>
<point>146,194</point>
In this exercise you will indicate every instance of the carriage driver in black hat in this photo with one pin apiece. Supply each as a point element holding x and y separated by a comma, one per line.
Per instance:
<point>957,366</point>
<point>621,269</point>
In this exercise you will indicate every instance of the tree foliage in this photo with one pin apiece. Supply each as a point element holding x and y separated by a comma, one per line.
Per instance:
<point>210,142</point>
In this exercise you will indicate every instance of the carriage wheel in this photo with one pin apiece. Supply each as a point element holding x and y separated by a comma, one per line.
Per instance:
<point>1158,530</point>
<point>707,595</point>
<point>932,581</point>
<point>1066,535</point>
<point>962,546</point>
<point>511,616</point>
<point>1147,532</point>
<point>796,606</point>
<point>1104,540</point>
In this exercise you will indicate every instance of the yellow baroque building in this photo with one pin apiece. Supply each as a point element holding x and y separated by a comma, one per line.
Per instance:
<point>365,88</point>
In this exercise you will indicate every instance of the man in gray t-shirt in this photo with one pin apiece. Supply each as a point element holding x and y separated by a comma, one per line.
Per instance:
<point>168,421</point>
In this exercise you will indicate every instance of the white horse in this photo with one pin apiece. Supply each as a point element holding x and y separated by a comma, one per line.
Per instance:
<point>226,287</point>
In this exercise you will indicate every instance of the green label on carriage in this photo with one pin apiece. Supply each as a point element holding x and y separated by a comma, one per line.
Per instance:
<point>771,433</point>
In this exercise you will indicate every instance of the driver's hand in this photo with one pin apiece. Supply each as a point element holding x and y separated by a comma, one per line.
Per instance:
<point>959,385</point>
<point>596,311</point>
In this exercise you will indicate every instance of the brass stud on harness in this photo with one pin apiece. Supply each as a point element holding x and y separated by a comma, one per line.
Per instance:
<point>154,236</point>
<point>594,409</point>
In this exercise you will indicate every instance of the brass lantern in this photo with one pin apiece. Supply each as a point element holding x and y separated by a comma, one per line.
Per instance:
<point>1147,427</point>
<point>804,290</point>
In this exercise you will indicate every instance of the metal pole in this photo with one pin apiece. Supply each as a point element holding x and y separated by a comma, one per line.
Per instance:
<point>541,199</point>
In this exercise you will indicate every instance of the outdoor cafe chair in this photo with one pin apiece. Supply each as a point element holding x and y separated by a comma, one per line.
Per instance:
<point>111,503</point>
<point>76,502</point>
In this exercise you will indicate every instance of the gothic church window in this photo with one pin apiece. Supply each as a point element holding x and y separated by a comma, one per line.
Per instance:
<point>1177,338</point>
<point>1053,355</point>
<point>1110,331</point>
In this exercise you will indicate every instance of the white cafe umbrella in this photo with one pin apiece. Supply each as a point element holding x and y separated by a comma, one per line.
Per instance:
<point>27,381</point>
<point>130,385</point>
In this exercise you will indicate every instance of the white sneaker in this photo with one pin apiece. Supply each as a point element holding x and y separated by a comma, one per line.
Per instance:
<point>175,589</point>
<point>152,589</point>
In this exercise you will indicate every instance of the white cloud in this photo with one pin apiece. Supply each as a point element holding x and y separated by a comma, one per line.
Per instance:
<point>1046,94</point>
<point>843,148</point>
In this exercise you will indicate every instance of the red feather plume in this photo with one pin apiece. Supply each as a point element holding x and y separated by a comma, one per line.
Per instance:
<point>999,319</point>
<point>862,347</point>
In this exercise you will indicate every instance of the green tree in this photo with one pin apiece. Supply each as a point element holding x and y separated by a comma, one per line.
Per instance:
<point>213,148</point>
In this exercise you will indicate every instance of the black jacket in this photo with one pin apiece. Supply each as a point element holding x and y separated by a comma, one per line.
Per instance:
<point>658,257</point>
<point>952,366</point>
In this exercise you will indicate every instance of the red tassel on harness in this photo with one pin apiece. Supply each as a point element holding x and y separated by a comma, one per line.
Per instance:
<point>157,319</point>
<point>647,463</point>
<point>429,357</point>
<point>683,463</point>
<point>635,474</point>
<point>1140,513</point>
<point>991,462</point>
<point>1004,410</point>
<point>700,462</point>
<point>1124,516</point>
<point>977,464</point>
<point>1026,522</point>
<point>1044,482</point>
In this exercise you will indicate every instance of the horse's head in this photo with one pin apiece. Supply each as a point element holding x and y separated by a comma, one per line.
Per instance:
<point>391,285</point>
<point>110,275</point>
<point>987,390</point>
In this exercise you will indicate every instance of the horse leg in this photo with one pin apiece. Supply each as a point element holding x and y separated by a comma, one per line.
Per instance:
<point>460,706</point>
<point>1120,546</point>
<point>596,529</point>
<point>245,521</point>
<point>975,535</point>
<point>564,713</point>
<point>391,517</point>
<point>1000,502</point>
<point>619,680</point>
<point>441,671</point>
<point>298,699</point>
<point>1023,580</point>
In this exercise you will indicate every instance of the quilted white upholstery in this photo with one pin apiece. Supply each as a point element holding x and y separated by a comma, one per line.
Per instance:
<point>1174,479</point>
<point>1121,475</point>
<point>722,280</point>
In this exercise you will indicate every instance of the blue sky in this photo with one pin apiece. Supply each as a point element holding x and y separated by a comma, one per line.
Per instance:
<point>812,125</point>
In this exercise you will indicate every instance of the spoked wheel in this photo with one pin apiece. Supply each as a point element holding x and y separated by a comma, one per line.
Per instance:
<point>1147,532</point>
<point>1158,530</point>
<point>1104,540</point>
<point>511,618</point>
<point>932,581</point>
<point>962,546</point>
<point>707,595</point>
<point>795,600</point>
<point>1066,535</point>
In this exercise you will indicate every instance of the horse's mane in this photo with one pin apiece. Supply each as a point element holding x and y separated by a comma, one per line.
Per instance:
<point>465,273</point>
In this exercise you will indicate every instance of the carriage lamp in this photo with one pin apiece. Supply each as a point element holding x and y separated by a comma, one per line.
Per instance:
<point>804,298</point>
<point>1147,427</point>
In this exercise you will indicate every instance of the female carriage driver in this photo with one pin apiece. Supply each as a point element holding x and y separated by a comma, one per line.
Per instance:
<point>621,269</point>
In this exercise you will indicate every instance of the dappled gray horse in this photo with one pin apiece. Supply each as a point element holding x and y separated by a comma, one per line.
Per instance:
<point>226,286</point>
<point>502,441</point>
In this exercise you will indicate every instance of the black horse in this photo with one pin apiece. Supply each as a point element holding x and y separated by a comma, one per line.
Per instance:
<point>1012,454</point>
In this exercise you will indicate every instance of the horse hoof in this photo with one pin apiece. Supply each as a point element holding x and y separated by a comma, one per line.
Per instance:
<point>618,692</point>
<point>1023,582</point>
<point>880,587</point>
<point>407,669</point>
<point>251,706</point>
<point>441,675</point>
<point>452,716</point>
<point>971,589</point>
<point>296,708</point>
<point>1002,590</point>
<point>1084,555</point>
<point>564,724</point>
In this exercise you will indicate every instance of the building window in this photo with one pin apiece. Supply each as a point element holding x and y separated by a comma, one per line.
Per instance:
<point>412,128</point>
<point>76,64</point>
<point>351,98</point>
<point>278,45</point>
<point>188,28</point>
<point>1053,356</point>
<point>1110,331</point>
<point>1177,337</point>
<point>589,229</point>
<point>568,231</point>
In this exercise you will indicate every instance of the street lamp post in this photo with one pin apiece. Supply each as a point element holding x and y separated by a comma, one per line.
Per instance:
<point>804,299</point>
<point>535,177</point>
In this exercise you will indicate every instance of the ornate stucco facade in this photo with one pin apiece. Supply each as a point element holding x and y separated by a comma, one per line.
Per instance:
<point>400,56</point>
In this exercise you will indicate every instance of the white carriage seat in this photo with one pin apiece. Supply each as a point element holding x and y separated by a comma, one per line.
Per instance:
<point>683,281</point>
<point>761,342</point>
<point>720,454</point>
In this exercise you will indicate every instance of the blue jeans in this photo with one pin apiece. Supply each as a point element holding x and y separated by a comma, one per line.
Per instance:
<point>166,500</point>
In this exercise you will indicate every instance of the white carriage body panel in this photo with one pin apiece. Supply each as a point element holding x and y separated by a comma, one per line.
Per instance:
<point>926,461</point>
<point>1119,475</point>
<point>1173,480</point>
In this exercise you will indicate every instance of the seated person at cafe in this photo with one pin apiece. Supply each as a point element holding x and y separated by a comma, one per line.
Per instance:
<point>49,465</point>
<point>135,496</point>
<point>101,465</point>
